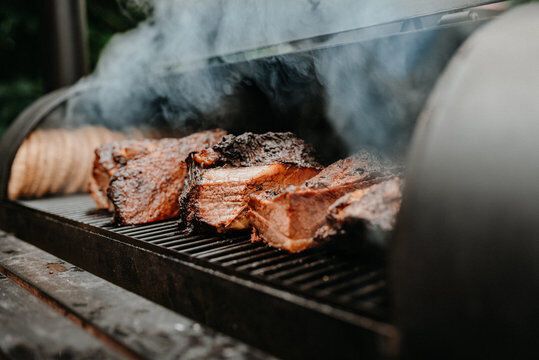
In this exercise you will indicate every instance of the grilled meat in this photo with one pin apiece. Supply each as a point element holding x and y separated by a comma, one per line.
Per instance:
<point>290,219</point>
<point>365,216</point>
<point>108,159</point>
<point>146,177</point>
<point>221,178</point>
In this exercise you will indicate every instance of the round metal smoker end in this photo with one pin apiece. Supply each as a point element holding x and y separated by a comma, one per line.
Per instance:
<point>465,260</point>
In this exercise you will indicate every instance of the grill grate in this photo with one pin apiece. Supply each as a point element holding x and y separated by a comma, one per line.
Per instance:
<point>319,274</point>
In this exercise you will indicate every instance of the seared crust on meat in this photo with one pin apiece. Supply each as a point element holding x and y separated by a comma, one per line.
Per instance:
<point>250,149</point>
<point>221,178</point>
<point>289,220</point>
<point>136,178</point>
<point>364,215</point>
<point>108,159</point>
<point>145,188</point>
<point>352,171</point>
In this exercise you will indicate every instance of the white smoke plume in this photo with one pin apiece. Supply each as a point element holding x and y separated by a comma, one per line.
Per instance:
<point>160,71</point>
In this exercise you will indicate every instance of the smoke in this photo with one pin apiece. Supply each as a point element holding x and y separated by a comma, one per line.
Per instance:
<point>172,69</point>
<point>376,91</point>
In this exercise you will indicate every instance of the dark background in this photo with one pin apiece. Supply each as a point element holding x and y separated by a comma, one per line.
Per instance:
<point>21,52</point>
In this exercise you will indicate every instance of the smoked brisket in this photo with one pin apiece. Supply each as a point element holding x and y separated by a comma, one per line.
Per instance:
<point>365,216</point>
<point>290,219</point>
<point>221,178</point>
<point>108,159</point>
<point>146,177</point>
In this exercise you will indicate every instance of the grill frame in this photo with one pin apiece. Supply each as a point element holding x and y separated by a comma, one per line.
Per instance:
<point>305,325</point>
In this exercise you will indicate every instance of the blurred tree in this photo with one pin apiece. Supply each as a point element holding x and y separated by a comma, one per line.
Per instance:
<point>105,18</point>
<point>20,80</point>
<point>20,70</point>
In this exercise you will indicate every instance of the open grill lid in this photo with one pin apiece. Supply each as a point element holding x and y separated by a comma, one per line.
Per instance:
<point>357,21</point>
<point>318,17</point>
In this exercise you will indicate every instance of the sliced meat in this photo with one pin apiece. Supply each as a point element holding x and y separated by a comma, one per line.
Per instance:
<point>108,159</point>
<point>364,217</point>
<point>147,177</point>
<point>221,178</point>
<point>289,220</point>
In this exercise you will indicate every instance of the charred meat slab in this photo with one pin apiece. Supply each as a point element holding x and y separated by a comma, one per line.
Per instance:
<point>146,177</point>
<point>290,219</point>
<point>108,159</point>
<point>365,216</point>
<point>221,178</point>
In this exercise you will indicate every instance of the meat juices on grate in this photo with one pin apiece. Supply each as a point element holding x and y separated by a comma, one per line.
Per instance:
<point>364,215</point>
<point>290,219</point>
<point>147,177</point>
<point>221,178</point>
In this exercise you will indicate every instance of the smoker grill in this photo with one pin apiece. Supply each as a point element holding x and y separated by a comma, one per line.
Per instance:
<point>247,290</point>
<point>315,304</point>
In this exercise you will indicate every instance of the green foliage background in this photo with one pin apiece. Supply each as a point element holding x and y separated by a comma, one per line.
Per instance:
<point>20,47</point>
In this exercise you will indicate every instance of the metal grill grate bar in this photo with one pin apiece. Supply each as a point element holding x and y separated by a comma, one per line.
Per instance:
<point>157,235</point>
<point>289,262</point>
<point>307,268</point>
<point>168,241</point>
<point>190,245</point>
<point>330,280</point>
<point>365,291</point>
<point>244,257</point>
<point>145,229</point>
<point>257,265</point>
<point>320,274</point>
<point>352,284</point>
<point>207,246</point>
<point>225,250</point>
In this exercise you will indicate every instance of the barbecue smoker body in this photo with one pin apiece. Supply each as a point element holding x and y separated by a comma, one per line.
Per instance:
<point>466,254</point>
<point>463,275</point>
